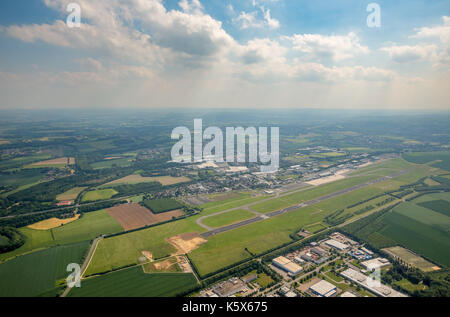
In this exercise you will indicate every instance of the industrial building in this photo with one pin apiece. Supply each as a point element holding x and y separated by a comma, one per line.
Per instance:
<point>229,288</point>
<point>287,265</point>
<point>336,245</point>
<point>323,289</point>
<point>374,286</point>
<point>375,264</point>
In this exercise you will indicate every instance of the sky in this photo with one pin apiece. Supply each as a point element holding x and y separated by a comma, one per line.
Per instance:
<point>254,54</point>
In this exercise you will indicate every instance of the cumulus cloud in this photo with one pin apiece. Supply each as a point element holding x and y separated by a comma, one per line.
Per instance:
<point>406,53</point>
<point>334,47</point>
<point>248,20</point>
<point>434,46</point>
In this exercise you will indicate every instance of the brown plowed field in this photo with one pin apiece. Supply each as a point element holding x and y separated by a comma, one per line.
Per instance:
<point>133,216</point>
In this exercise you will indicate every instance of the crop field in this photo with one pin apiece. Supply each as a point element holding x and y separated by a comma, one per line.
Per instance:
<point>441,159</point>
<point>411,258</point>
<point>228,218</point>
<point>123,162</point>
<point>133,216</point>
<point>134,282</point>
<point>52,223</point>
<point>59,162</point>
<point>119,251</point>
<point>21,161</point>
<point>137,179</point>
<point>71,194</point>
<point>418,237</point>
<point>21,177</point>
<point>99,194</point>
<point>441,206</point>
<point>36,273</point>
<point>426,216</point>
<point>88,227</point>
<point>162,205</point>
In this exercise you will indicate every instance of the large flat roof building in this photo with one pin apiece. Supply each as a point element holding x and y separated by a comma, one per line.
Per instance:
<point>371,285</point>
<point>375,264</point>
<point>287,265</point>
<point>336,244</point>
<point>323,289</point>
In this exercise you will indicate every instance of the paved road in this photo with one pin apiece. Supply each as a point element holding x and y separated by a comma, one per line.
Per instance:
<point>296,207</point>
<point>85,263</point>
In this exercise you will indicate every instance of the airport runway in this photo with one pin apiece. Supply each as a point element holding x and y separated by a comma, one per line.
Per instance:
<point>296,207</point>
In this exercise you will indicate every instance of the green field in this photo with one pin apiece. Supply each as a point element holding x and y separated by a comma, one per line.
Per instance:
<point>263,280</point>
<point>37,273</point>
<point>134,282</point>
<point>427,240</point>
<point>441,206</point>
<point>441,159</point>
<point>117,252</point>
<point>71,194</point>
<point>88,227</point>
<point>228,218</point>
<point>123,250</point>
<point>21,177</point>
<point>124,162</point>
<point>99,194</point>
<point>158,206</point>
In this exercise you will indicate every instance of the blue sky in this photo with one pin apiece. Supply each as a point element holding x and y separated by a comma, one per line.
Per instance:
<point>225,53</point>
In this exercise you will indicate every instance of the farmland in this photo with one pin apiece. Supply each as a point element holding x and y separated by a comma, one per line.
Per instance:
<point>411,258</point>
<point>414,227</point>
<point>37,273</point>
<point>134,282</point>
<point>122,162</point>
<point>119,251</point>
<point>52,223</point>
<point>133,216</point>
<point>438,159</point>
<point>87,227</point>
<point>71,194</point>
<point>162,205</point>
<point>137,179</point>
<point>59,162</point>
<point>99,194</point>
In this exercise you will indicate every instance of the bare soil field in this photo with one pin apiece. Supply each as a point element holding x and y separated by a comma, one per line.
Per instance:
<point>2,142</point>
<point>186,242</point>
<point>52,223</point>
<point>136,179</point>
<point>134,216</point>
<point>58,161</point>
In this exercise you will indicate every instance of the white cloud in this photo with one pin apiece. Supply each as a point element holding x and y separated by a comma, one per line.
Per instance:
<point>406,53</point>
<point>250,20</point>
<point>334,47</point>
<point>434,46</point>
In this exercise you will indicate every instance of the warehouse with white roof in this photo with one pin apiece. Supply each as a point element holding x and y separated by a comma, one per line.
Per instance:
<point>336,244</point>
<point>323,289</point>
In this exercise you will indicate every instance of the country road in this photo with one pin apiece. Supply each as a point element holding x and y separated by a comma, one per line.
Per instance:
<point>212,232</point>
<point>85,263</point>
